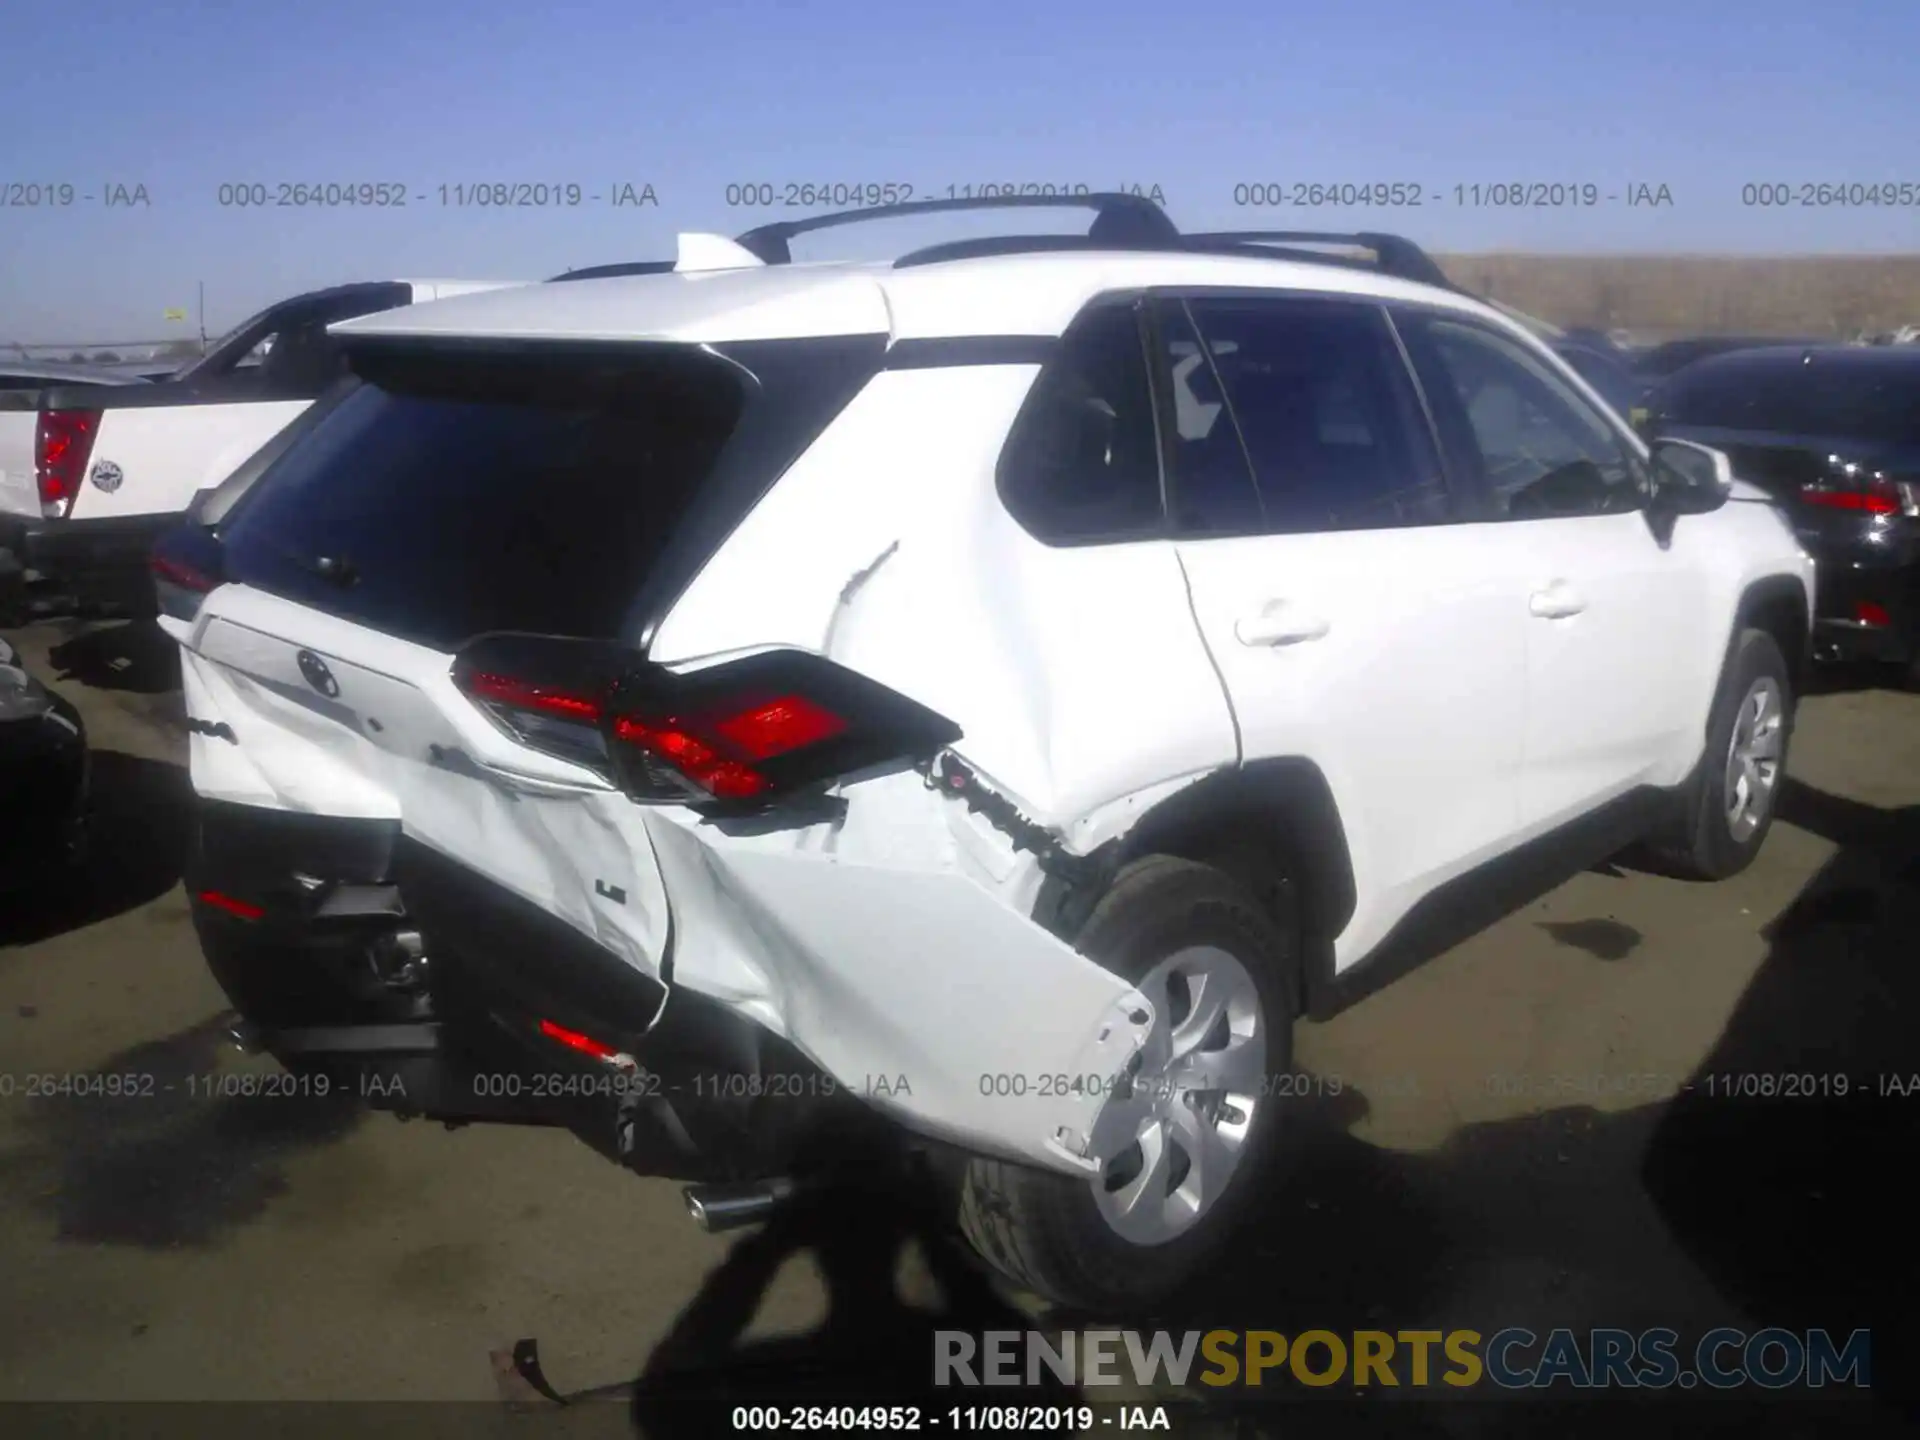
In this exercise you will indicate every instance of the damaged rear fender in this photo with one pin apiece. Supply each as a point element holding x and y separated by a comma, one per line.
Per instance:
<point>906,977</point>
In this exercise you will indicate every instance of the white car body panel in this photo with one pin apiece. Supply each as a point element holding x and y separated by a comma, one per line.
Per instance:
<point>1029,295</point>
<point>1076,672</point>
<point>896,943</point>
<point>695,308</point>
<point>166,453</point>
<point>916,991</point>
<point>1423,654</point>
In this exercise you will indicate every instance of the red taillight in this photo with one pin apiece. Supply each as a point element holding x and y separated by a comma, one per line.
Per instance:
<point>1868,613</point>
<point>574,1040</point>
<point>1876,500</point>
<point>779,726</point>
<point>745,733</point>
<point>522,695</point>
<point>712,772</point>
<point>62,445</point>
<point>231,905</point>
<point>719,750</point>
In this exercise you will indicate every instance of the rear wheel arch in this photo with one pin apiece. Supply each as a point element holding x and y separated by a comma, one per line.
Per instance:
<point>1274,826</point>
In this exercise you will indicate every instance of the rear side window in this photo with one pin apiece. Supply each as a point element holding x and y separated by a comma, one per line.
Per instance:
<point>1878,402</point>
<point>1082,463</point>
<point>1324,408</point>
<point>446,496</point>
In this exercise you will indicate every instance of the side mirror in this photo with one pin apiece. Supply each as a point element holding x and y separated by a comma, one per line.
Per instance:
<point>1689,478</point>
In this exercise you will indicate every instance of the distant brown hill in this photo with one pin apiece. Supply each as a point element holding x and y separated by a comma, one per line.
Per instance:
<point>1839,295</point>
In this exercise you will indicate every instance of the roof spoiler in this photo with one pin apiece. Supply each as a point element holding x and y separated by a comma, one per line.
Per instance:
<point>700,251</point>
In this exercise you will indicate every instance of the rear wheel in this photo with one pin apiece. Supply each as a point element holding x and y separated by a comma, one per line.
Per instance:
<point>1191,1132</point>
<point>1729,807</point>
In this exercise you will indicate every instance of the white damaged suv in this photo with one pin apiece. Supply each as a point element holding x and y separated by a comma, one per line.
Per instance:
<point>990,694</point>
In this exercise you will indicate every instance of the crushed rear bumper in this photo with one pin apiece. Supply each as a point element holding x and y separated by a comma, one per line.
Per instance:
<point>303,923</point>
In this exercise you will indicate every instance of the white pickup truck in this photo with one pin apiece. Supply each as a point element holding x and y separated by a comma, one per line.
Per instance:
<point>90,476</point>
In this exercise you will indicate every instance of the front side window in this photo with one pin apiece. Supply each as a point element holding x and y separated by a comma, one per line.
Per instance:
<point>1532,444</point>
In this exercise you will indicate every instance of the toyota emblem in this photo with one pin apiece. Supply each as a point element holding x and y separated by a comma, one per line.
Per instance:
<point>107,476</point>
<point>317,674</point>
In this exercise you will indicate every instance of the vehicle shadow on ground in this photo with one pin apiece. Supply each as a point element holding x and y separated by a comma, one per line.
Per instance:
<point>136,656</point>
<point>1708,1208</point>
<point>138,824</point>
<point>153,1149</point>
<point>1716,1207</point>
<point>1777,1171</point>
<point>873,1347</point>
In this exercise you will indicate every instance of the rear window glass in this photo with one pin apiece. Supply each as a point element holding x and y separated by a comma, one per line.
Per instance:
<point>1858,402</point>
<point>448,497</point>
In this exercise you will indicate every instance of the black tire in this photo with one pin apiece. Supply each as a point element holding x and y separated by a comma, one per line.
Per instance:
<point>1702,844</point>
<point>1044,1231</point>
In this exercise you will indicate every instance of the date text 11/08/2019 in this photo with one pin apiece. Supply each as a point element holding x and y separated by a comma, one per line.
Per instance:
<point>398,195</point>
<point>1029,1419</point>
<point>861,194</point>
<point>1413,195</point>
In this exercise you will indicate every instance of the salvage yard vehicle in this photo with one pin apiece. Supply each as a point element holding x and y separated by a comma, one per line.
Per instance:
<point>90,478</point>
<point>995,691</point>
<point>1833,433</point>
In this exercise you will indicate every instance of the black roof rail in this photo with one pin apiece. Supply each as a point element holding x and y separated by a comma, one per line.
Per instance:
<point>623,267</point>
<point>1120,221</point>
<point>980,245</point>
<point>1398,256</point>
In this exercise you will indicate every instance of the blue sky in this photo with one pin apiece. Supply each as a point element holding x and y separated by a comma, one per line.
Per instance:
<point>1196,97</point>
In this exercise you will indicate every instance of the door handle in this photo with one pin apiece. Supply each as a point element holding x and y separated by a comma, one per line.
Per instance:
<point>1280,622</point>
<point>1556,602</point>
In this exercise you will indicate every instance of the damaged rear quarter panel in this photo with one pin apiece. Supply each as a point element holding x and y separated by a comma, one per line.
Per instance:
<point>906,979</point>
<point>897,944</point>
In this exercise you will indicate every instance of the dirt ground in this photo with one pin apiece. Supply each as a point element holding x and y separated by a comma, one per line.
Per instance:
<point>1525,1132</point>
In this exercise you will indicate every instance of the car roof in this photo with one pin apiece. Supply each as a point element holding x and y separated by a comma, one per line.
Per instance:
<point>1021,294</point>
<point>1861,360</point>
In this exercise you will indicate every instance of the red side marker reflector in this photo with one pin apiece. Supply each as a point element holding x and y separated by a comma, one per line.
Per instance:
<point>231,905</point>
<point>1868,613</point>
<point>574,1040</point>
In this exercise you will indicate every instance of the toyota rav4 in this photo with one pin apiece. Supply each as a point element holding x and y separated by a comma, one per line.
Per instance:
<point>991,694</point>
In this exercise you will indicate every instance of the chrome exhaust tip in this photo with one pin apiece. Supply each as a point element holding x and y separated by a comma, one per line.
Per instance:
<point>718,1208</point>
